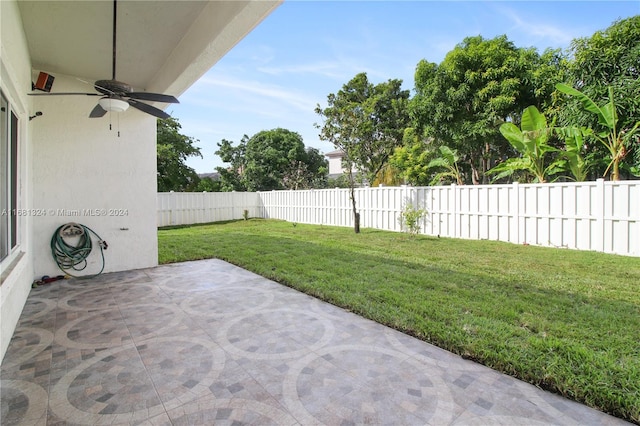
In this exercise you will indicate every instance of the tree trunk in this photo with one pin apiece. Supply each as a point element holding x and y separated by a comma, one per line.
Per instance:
<point>485,162</point>
<point>474,173</point>
<point>356,215</point>
<point>615,172</point>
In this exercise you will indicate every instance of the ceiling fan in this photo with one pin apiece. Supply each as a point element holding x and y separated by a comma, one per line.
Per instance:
<point>118,96</point>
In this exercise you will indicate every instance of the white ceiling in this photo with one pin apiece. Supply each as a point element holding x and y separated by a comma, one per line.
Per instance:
<point>162,46</point>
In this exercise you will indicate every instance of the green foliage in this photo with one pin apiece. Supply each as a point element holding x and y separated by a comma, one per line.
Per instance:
<point>531,142</point>
<point>573,158</point>
<point>271,160</point>
<point>366,122</point>
<point>207,184</point>
<point>411,219</point>
<point>173,148</point>
<point>341,181</point>
<point>448,160</point>
<point>479,85</point>
<point>552,66</point>
<point>270,154</point>
<point>309,172</point>
<point>412,157</point>
<point>607,59</point>
<point>564,320</point>
<point>388,176</point>
<point>616,139</point>
<point>230,177</point>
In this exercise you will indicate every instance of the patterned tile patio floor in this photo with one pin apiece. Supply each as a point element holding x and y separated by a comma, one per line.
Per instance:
<point>209,343</point>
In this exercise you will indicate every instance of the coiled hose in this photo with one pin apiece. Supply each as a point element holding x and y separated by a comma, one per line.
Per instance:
<point>68,256</point>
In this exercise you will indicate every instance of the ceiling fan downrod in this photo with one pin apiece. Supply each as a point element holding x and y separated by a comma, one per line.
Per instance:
<point>115,14</point>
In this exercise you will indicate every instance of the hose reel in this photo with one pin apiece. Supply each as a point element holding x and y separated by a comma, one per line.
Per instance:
<point>70,255</point>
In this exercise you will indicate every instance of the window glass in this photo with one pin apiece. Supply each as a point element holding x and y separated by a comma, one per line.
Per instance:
<point>13,171</point>
<point>8,178</point>
<point>5,210</point>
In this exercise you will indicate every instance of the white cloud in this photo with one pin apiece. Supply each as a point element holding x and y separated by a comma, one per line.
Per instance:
<point>263,91</point>
<point>556,36</point>
<point>323,68</point>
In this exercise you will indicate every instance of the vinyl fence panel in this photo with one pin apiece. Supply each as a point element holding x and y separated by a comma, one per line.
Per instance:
<point>601,216</point>
<point>186,208</point>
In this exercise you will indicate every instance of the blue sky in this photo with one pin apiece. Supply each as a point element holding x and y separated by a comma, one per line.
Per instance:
<point>305,50</point>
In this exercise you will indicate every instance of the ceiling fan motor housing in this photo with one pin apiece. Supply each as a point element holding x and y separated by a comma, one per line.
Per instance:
<point>112,87</point>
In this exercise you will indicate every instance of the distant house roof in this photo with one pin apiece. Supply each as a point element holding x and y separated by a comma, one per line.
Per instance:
<point>214,175</point>
<point>335,154</point>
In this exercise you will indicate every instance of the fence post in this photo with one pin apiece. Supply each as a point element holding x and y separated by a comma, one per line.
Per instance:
<point>454,211</point>
<point>516,211</point>
<point>599,213</point>
<point>172,206</point>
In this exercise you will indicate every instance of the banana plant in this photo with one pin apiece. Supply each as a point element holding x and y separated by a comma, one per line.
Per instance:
<point>449,161</point>
<point>573,159</point>
<point>615,140</point>
<point>531,142</point>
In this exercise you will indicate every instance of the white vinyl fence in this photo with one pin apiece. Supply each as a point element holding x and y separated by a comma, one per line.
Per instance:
<point>187,208</point>
<point>601,216</point>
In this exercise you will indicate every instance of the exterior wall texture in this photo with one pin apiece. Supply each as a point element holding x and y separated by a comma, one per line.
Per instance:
<point>84,172</point>
<point>15,71</point>
<point>97,172</point>
<point>72,169</point>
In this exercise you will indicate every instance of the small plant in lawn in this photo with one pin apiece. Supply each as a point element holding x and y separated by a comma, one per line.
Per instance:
<point>411,219</point>
<point>245,214</point>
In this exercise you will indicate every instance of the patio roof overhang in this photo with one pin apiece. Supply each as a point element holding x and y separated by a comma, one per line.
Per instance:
<point>162,46</point>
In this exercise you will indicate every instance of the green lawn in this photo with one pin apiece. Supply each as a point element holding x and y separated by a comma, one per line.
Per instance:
<point>567,321</point>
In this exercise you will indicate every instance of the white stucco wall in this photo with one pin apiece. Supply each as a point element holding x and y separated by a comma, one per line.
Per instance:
<point>335,165</point>
<point>71,165</point>
<point>79,165</point>
<point>17,269</point>
<point>70,162</point>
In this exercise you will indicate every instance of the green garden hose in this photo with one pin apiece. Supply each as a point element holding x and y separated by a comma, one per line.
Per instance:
<point>68,256</point>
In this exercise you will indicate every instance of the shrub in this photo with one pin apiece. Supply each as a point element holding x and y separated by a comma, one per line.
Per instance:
<point>411,219</point>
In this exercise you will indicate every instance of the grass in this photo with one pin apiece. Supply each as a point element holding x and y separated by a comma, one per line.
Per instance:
<point>567,321</point>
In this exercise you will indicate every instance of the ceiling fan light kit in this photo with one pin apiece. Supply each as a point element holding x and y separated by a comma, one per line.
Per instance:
<point>113,105</point>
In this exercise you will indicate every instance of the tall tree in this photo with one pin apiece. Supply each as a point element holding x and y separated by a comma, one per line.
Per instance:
<point>366,122</point>
<point>173,149</point>
<point>609,58</point>
<point>310,172</point>
<point>271,160</point>
<point>478,86</point>
<point>231,176</point>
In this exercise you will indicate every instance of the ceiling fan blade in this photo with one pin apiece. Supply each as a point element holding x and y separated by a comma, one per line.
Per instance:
<point>64,94</point>
<point>97,112</point>
<point>154,97</point>
<point>148,109</point>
